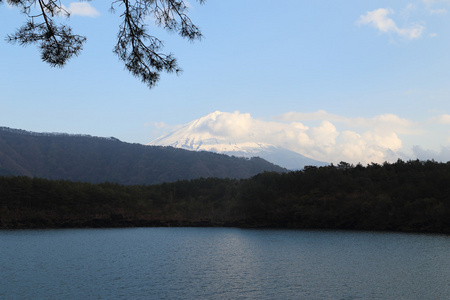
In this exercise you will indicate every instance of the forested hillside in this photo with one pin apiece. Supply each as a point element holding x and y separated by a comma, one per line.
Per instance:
<point>95,160</point>
<point>409,196</point>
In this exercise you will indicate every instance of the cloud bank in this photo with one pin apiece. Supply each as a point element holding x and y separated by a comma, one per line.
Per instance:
<point>328,137</point>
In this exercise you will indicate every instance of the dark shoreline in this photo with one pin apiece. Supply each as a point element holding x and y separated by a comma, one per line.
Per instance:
<point>108,224</point>
<point>409,196</point>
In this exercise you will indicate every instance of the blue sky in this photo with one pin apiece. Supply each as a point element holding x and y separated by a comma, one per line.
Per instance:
<point>335,80</point>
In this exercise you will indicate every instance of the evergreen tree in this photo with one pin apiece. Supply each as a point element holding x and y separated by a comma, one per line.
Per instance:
<point>136,47</point>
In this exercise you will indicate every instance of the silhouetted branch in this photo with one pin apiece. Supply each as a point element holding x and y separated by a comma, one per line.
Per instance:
<point>56,42</point>
<point>140,51</point>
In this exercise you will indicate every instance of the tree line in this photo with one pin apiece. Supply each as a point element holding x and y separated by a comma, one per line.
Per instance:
<point>411,196</point>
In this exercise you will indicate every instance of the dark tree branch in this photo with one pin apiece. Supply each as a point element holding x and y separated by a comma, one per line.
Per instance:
<point>56,42</point>
<point>140,51</point>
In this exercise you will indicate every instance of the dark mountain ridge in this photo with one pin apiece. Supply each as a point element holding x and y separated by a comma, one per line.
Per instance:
<point>99,159</point>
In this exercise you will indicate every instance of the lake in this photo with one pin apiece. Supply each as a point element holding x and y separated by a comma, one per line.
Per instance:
<point>222,263</point>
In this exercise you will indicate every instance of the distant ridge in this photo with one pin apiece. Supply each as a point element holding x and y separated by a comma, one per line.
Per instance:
<point>196,136</point>
<point>98,159</point>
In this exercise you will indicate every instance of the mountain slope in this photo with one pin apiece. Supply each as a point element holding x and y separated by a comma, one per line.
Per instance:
<point>197,136</point>
<point>94,159</point>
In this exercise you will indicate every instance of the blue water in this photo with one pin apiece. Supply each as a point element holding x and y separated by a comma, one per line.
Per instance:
<point>222,263</point>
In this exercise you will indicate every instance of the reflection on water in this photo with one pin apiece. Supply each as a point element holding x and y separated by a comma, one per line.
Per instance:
<point>222,263</point>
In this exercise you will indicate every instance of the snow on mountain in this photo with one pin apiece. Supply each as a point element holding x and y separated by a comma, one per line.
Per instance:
<point>201,135</point>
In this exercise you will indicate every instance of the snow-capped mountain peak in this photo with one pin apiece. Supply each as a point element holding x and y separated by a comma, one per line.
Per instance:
<point>197,135</point>
<point>209,133</point>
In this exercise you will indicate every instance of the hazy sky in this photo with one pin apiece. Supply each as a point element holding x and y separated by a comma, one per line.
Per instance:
<point>349,80</point>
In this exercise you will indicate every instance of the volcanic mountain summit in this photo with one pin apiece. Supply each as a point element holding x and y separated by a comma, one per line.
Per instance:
<point>211,133</point>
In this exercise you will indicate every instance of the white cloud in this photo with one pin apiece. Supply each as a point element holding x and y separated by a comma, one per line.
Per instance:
<point>324,141</point>
<point>379,19</point>
<point>83,9</point>
<point>324,135</point>
<point>333,138</point>
<point>443,119</point>
<point>385,122</point>
<point>387,141</point>
<point>234,124</point>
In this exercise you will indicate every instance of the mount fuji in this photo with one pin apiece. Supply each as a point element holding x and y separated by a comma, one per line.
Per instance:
<point>198,135</point>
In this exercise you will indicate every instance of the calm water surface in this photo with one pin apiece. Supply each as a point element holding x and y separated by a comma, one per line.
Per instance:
<point>222,263</point>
